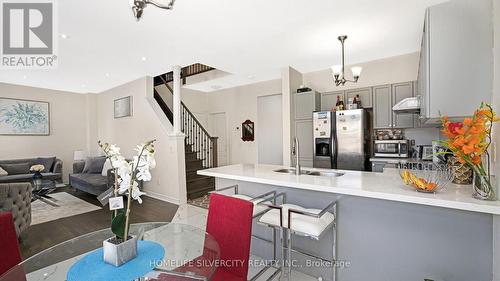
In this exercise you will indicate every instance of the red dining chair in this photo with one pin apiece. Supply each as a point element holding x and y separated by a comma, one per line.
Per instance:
<point>230,223</point>
<point>9,253</point>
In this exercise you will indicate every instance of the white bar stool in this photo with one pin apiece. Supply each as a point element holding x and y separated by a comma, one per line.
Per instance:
<point>300,221</point>
<point>258,210</point>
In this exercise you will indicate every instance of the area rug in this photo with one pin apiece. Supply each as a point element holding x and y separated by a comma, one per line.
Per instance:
<point>69,205</point>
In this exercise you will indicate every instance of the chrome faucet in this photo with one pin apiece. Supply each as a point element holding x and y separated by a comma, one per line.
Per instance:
<point>296,153</point>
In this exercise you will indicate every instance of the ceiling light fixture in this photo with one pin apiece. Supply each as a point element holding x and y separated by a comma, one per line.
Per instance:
<point>338,71</point>
<point>64,36</point>
<point>139,5</point>
<point>144,58</point>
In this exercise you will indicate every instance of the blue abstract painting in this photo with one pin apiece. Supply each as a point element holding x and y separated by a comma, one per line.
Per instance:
<point>24,117</point>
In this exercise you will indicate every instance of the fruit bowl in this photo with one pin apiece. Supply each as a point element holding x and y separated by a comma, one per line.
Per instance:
<point>428,178</point>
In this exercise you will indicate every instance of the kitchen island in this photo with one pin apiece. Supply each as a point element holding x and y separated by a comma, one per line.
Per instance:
<point>385,230</point>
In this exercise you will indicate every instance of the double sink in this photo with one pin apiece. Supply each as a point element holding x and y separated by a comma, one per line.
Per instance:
<point>310,173</point>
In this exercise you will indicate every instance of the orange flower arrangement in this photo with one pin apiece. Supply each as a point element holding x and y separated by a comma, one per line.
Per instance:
<point>469,140</point>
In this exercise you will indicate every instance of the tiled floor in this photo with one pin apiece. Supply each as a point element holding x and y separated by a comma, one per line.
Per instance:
<point>196,216</point>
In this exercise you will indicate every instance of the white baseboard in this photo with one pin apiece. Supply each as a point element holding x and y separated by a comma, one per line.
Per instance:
<point>162,197</point>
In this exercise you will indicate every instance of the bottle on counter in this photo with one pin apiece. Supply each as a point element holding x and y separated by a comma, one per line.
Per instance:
<point>340,104</point>
<point>358,101</point>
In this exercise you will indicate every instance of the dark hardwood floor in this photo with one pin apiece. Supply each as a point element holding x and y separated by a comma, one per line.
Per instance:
<point>45,235</point>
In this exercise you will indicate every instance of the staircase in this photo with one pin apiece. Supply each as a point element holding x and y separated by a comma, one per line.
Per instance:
<point>200,148</point>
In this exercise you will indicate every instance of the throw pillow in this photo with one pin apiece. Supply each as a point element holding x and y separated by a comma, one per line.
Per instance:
<point>3,172</point>
<point>47,162</point>
<point>17,169</point>
<point>93,165</point>
<point>107,166</point>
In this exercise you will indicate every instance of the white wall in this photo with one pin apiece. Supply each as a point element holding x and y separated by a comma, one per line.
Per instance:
<point>239,104</point>
<point>68,126</point>
<point>144,125</point>
<point>384,71</point>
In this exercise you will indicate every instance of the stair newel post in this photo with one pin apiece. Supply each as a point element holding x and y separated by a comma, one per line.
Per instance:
<point>214,151</point>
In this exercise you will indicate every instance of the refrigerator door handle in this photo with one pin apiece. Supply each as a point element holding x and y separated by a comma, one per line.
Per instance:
<point>334,151</point>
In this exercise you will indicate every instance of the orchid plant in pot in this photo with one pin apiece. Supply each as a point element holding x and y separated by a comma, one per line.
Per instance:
<point>469,141</point>
<point>127,175</point>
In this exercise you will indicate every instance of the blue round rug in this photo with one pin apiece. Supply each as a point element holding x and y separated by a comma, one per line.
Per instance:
<point>93,268</point>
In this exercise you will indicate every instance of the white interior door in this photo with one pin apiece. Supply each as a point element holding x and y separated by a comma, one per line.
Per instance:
<point>217,128</point>
<point>269,129</point>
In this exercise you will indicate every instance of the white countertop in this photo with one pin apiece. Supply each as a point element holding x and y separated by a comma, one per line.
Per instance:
<point>385,186</point>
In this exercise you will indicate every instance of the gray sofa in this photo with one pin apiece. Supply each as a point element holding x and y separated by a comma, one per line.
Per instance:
<point>16,198</point>
<point>54,172</point>
<point>93,183</point>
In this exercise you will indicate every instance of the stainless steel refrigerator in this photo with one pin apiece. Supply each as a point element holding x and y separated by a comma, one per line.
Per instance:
<point>341,140</point>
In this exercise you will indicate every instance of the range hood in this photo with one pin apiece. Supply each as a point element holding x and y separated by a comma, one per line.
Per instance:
<point>408,105</point>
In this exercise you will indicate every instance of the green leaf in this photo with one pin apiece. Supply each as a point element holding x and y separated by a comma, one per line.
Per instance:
<point>118,225</point>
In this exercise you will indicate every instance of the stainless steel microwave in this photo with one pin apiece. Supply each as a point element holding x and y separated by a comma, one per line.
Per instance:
<point>392,148</point>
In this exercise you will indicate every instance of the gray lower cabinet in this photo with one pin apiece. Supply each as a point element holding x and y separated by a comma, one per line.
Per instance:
<point>378,167</point>
<point>304,132</point>
<point>329,100</point>
<point>365,94</point>
<point>400,92</point>
<point>382,111</point>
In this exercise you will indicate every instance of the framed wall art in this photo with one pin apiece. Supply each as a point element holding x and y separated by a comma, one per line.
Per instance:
<point>24,117</point>
<point>123,107</point>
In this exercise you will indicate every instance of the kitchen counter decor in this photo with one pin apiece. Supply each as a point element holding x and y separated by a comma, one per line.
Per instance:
<point>122,248</point>
<point>430,178</point>
<point>469,142</point>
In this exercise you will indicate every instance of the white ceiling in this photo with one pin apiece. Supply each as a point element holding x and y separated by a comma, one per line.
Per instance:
<point>251,39</point>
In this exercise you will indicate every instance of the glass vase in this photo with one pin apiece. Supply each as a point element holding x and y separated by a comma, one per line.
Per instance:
<point>483,186</point>
<point>37,180</point>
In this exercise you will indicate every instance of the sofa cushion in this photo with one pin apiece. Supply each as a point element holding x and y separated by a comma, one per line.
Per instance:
<point>47,162</point>
<point>94,180</point>
<point>3,172</point>
<point>17,169</point>
<point>93,165</point>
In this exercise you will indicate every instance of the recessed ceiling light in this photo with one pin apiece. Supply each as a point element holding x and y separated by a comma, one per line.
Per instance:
<point>64,36</point>
<point>107,74</point>
<point>216,87</point>
<point>24,76</point>
<point>251,77</point>
<point>144,59</point>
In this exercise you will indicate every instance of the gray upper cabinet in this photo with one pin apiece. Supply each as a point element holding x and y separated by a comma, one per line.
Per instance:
<point>306,103</point>
<point>329,100</point>
<point>382,111</point>
<point>365,94</point>
<point>456,68</point>
<point>400,92</point>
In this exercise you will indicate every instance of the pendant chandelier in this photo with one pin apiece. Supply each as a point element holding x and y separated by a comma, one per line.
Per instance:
<point>338,71</point>
<point>139,5</point>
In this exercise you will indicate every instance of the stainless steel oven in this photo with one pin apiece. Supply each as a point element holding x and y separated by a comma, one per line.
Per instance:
<point>392,148</point>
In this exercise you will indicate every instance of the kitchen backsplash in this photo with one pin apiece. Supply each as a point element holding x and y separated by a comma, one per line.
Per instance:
<point>423,136</point>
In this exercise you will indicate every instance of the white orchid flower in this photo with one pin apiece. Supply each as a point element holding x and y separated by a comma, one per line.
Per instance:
<point>151,161</point>
<point>136,192</point>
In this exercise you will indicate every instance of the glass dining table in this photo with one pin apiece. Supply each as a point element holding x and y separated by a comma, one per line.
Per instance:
<point>190,254</point>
